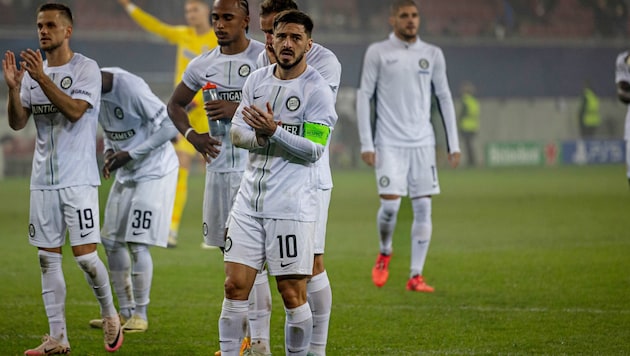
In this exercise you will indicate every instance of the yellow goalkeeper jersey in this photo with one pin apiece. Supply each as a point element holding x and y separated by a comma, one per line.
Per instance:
<point>189,45</point>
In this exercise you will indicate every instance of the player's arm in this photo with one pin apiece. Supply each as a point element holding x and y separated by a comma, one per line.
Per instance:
<point>151,24</point>
<point>365,93</point>
<point>177,104</point>
<point>446,108</point>
<point>72,109</point>
<point>623,92</point>
<point>18,115</point>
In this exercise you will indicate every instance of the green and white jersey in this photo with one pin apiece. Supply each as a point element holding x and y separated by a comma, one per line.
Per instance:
<point>402,77</point>
<point>65,152</point>
<point>327,64</point>
<point>229,73</point>
<point>130,116</point>
<point>281,179</point>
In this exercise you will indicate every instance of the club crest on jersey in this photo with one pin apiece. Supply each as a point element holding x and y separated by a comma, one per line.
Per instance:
<point>293,103</point>
<point>31,230</point>
<point>66,82</point>
<point>244,70</point>
<point>119,113</point>
<point>423,63</point>
<point>228,244</point>
<point>384,181</point>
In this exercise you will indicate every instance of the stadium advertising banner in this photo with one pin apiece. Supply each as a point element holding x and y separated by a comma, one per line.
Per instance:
<point>593,152</point>
<point>501,154</point>
<point>532,153</point>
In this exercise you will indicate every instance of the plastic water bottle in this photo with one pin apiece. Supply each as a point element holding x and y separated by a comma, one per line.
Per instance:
<point>217,127</point>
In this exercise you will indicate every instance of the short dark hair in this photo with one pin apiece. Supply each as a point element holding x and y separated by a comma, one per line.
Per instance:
<point>63,9</point>
<point>294,16</point>
<point>397,4</point>
<point>274,6</point>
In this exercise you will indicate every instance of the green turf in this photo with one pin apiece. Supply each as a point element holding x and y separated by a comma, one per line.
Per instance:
<point>524,261</point>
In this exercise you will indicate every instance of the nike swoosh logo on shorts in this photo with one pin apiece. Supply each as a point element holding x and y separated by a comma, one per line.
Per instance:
<point>283,265</point>
<point>136,233</point>
<point>84,235</point>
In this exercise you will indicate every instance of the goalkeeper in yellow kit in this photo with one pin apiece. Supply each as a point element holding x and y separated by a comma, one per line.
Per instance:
<point>191,40</point>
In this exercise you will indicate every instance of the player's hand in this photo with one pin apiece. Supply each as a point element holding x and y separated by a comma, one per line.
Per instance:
<point>454,158</point>
<point>220,109</point>
<point>369,158</point>
<point>261,121</point>
<point>205,144</point>
<point>12,76</point>
<point>113,161</point>
<point>33,62</point>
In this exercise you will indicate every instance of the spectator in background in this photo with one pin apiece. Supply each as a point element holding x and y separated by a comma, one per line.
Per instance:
<point>469,120</point>
<point>193,39</point>
<point>589,115</point>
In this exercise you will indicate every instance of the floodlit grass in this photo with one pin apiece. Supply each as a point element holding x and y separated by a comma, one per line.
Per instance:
<point>524,261</point>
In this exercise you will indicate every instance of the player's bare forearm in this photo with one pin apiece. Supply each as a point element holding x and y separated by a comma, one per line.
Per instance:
<point>18,115</point>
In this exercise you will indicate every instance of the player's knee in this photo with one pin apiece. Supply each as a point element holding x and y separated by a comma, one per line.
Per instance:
<point>389,208</point>
<point>235,289</point>
<point>421,210</point>
<point>112,245</point>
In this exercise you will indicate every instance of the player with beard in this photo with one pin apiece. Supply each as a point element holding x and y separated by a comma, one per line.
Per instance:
<point>284,120</point>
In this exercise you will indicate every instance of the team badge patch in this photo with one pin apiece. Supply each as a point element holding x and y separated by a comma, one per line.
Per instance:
<point>383,181</point>
<point>244,70</point>
<point>293,103</point>
<point>228,244</point>
<point>31,230</point>
<point>66,82</point>
<point>424,64</point>
<point>205,229</point>
<point>119,113</point>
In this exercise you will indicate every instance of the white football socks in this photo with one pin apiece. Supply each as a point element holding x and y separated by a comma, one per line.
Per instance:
<point>421,229</point>
<point>141,277</point>
<point>98,278</point>
<point>259,313</point>
<point>320,301</point>
<point>231,333</point>
<point>298,328</point>
<point>54,294</point>
<point>386,223</point>
<point>120,271</point>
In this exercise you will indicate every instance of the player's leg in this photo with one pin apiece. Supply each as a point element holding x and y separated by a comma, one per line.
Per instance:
<point>423,183</point>
<point>113,232</point>
<point>47,232</point>
<point>289,251</point>
<point>628,160</point>
<point>244,257</point>
<point>318,289</point>
<point>391,179</point>
<point>259,314</point>
<point>148,225</point>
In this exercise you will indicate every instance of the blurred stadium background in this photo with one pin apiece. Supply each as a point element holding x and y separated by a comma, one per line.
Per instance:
<point>528,59</point>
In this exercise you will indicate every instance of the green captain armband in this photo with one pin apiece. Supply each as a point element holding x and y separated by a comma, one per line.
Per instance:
<point>317,133</point>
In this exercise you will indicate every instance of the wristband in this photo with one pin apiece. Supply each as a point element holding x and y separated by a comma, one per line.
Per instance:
<point>187,132</point>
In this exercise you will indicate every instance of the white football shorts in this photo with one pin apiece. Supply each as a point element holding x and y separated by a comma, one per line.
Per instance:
<point>323,197</point>
<point>286,245</point>
<point>54,212</point>
<point>140,212</point>
<point>406,171</point>
<point>218,198</point>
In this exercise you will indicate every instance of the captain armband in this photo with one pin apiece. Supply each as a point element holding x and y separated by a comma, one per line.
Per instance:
<point>317,133</point>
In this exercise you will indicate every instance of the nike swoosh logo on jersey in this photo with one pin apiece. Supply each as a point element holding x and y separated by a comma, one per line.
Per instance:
<point>84,235</point>
<point>283,265</point>
<point>208,75</point>
<point>35,87</point>
<point>257,97</point>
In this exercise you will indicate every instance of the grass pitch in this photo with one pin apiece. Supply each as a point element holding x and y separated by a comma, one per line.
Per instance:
<point>524,261</point>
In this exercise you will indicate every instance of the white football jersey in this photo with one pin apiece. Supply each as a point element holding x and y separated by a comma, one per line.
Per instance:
<point>622,74</point>
<point>229,73</point>
<point>401,76</point>
<point>277,184</point>
<point>327,64</point>
<point>65,152</point>
<point>130,114</point>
